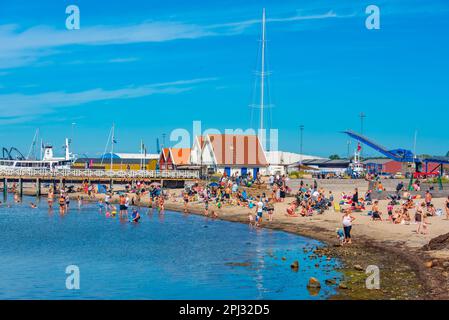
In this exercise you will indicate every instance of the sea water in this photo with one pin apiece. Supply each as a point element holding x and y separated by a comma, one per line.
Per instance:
<point>164,256</point>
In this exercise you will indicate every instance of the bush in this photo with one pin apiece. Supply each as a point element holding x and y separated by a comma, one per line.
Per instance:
<point>296,175</point>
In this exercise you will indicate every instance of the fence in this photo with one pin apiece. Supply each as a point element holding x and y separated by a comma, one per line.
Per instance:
<point>94,173</point>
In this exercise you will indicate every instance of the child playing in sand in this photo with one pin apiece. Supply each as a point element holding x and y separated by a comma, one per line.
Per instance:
<point>340,236</point>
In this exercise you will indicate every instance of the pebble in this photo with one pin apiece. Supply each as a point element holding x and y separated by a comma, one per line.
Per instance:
<point>343,285</point>
<point>314,283</point>
<point>295,265</point>
<point>358,267</point>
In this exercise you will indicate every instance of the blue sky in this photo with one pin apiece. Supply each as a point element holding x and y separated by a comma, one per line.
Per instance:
<point>154,66</point>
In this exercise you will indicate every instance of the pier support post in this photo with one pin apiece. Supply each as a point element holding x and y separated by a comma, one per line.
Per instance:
<point>5,189</point>
<point>54,186</point>
<point>111,184</point>
<point>38,187</point>
<point>20,187</point>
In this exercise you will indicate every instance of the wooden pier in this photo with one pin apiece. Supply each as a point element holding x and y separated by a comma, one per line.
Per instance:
<point>62,176</point>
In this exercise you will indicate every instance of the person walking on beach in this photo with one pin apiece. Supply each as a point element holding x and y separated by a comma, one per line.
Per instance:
<point>347,225</point>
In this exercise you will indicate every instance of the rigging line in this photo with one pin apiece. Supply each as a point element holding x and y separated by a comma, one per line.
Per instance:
<point>256,82</point>
<point>268,86</point>
<point>106,146</point>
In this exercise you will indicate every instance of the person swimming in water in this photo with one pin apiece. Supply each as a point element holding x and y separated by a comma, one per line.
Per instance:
<point>135,216</point>
<point>33,205</point>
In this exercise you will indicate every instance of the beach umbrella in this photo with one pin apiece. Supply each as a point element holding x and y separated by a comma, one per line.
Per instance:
<point>213,184</point>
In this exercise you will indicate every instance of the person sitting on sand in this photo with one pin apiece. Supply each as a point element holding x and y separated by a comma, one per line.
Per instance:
<point>376,214</point>
<point>291,210</point>
<point>396,216</point>
<point>431,211</point>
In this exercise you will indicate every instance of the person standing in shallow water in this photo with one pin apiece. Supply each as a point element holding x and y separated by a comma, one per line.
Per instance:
<point>50,199</point>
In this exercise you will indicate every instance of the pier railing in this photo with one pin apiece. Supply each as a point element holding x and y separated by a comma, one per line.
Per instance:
<point>97,173</point>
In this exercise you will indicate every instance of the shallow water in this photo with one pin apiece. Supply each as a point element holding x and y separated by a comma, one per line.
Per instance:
<point>169,256</point>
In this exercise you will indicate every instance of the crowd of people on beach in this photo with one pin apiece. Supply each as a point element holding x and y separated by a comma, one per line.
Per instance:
<point>245,191</point>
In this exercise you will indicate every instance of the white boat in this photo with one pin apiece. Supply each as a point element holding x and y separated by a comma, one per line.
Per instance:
<point>49,161</point>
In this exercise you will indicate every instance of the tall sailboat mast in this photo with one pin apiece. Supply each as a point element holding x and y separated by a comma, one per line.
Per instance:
<point>112,144</point>
<point>262,75</point>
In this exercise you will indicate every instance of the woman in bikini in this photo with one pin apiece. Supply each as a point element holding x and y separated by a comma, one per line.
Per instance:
<point>419,219</point>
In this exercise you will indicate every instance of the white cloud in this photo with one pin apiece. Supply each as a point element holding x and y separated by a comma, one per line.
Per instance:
<point>28,106</point>
<point>23,47</point>
<point>123,60</point>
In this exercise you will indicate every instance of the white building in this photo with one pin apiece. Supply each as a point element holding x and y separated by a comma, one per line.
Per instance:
<point>229,153</point>
<point>279,161</point>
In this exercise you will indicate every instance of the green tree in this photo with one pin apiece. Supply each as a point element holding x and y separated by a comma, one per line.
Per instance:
<point>334,157</point>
